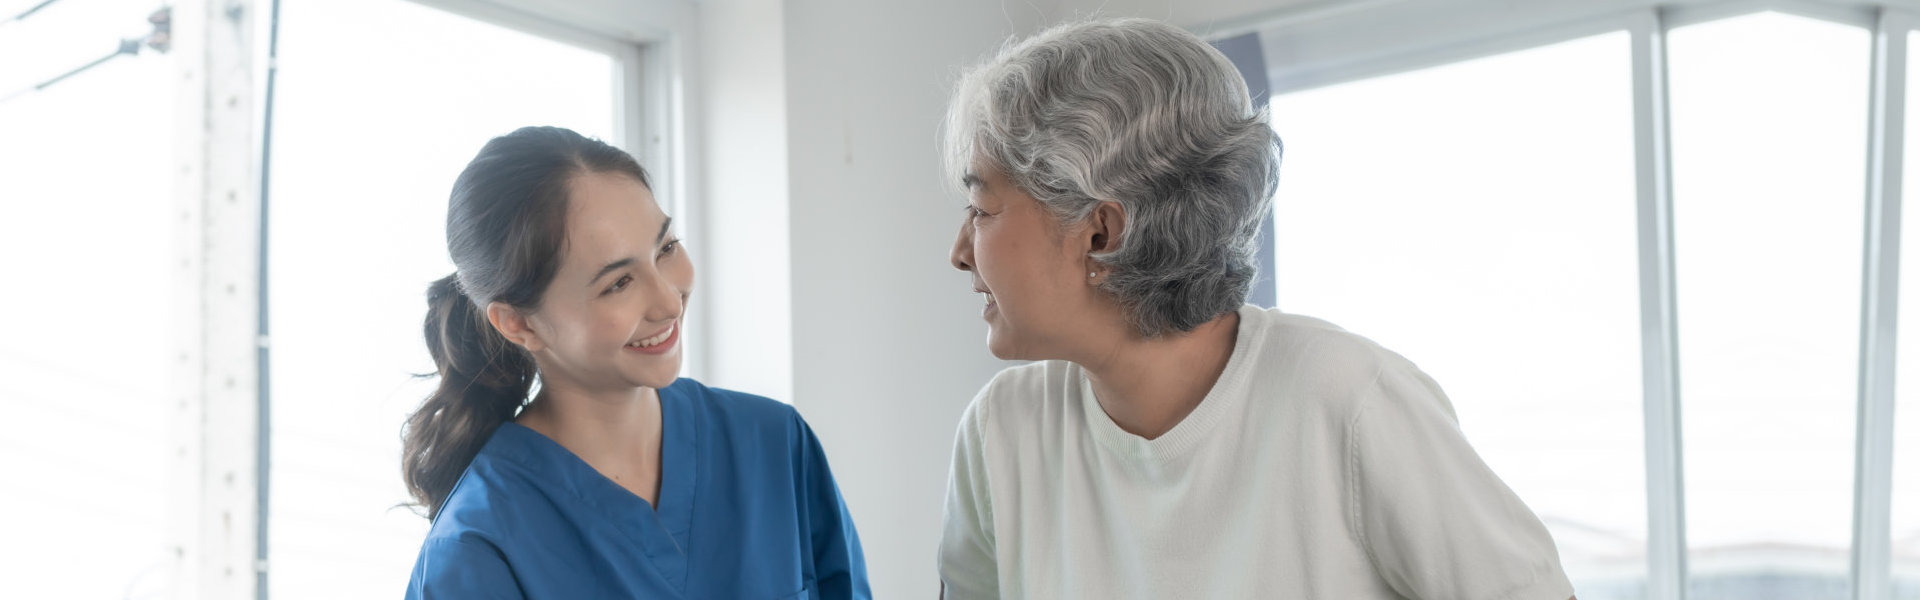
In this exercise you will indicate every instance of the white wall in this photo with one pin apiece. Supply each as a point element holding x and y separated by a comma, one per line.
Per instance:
<point>743,242</point>
<point>888,343</point>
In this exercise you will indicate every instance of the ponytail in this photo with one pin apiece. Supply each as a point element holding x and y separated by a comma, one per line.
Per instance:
<point>483,381</point>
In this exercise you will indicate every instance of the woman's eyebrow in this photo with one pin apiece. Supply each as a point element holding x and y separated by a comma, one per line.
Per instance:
<point>618,264</point>
<point>971,181</point>
<point>611,267</point>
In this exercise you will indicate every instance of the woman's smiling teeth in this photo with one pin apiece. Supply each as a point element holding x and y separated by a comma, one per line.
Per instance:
<point>988,296</point>
<point>656,340</point>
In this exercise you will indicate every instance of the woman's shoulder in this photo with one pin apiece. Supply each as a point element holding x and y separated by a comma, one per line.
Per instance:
<point>1024,394</point>
<point>1316,358</point>
<point>478,506</point>
<point>1028,380</point>
<point>1285,333</point>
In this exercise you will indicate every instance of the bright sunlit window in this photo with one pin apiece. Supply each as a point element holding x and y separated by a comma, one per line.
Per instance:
<point>381,103</point>
<point>86,187</point>
<point>1769,162</point>
<point>1478,218</point>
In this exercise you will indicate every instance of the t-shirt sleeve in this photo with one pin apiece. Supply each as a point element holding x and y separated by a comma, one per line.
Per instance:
<point>839,568</point>
<point>968,569</point>
<point>452,568</point>
<point>1436,522</point>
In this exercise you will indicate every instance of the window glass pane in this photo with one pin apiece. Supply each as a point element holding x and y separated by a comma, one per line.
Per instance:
<point>86,187</point>
<point>1906,410</point>
<point>381,103</point>
<point>1479,218</point>
<point>1768,140</point>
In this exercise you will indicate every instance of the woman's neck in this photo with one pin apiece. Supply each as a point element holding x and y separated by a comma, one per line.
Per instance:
<point>617,434</point>
<point>1147,386</point>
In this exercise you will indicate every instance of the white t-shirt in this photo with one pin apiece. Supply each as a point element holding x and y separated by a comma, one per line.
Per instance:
<point>1320,466</point>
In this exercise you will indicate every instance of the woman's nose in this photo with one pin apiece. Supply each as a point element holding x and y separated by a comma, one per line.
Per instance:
<point>962,255</point>
<point>663,300</point>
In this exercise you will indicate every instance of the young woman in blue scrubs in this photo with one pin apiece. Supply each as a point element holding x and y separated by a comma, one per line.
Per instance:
<point>612,477</point>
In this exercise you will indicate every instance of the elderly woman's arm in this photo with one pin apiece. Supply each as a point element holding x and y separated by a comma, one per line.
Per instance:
<point>1437,522</point>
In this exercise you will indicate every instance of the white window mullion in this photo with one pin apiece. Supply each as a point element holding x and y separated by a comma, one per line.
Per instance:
<point>1666,521</point>
<point>1879,330</point>
<point>216,294</point>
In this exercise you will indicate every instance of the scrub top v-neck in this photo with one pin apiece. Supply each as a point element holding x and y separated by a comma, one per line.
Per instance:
<point>747,509</point>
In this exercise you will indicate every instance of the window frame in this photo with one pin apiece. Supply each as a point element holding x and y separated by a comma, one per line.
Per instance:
<point>221,426</point>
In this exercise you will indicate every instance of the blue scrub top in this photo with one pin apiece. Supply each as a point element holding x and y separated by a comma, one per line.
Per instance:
<point>747,509</point>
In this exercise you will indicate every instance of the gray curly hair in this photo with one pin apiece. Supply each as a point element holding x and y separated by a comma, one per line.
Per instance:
<point>1146,115</point>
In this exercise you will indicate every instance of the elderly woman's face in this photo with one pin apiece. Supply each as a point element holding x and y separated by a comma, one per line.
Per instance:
<point>1034,284</point>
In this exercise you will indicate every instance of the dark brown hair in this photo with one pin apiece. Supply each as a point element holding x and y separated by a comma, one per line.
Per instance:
<point>506,231</point>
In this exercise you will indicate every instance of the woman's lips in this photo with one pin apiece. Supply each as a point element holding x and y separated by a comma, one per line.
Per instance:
<point>660,343</point>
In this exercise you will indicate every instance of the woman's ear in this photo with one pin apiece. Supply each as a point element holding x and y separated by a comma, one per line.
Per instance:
<point>513,325</point>
<point>1108,222</point>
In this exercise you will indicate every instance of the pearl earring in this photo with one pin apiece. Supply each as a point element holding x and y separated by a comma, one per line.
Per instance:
<point>1090,274</point>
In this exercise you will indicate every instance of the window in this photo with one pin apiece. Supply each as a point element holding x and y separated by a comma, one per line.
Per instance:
<point>1426,209</point>
<point>88,237</point>
<point>1768,159</point>
<point>424,89</point>
<point>1479,219</point>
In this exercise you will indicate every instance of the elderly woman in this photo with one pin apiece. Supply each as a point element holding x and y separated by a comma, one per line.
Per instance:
<point>1169,441</point>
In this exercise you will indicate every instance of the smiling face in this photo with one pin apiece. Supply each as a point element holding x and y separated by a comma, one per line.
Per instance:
<point>1031,270</point>
<point>610,321</point>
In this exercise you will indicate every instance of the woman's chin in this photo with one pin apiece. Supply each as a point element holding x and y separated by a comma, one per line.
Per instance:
<point>654,378</point>
<point>1000,346</point>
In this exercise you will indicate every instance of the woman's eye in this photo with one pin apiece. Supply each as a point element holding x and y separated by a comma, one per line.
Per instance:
<point>974,213</point>
<point>621,284</point>
<point>670,248</point>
